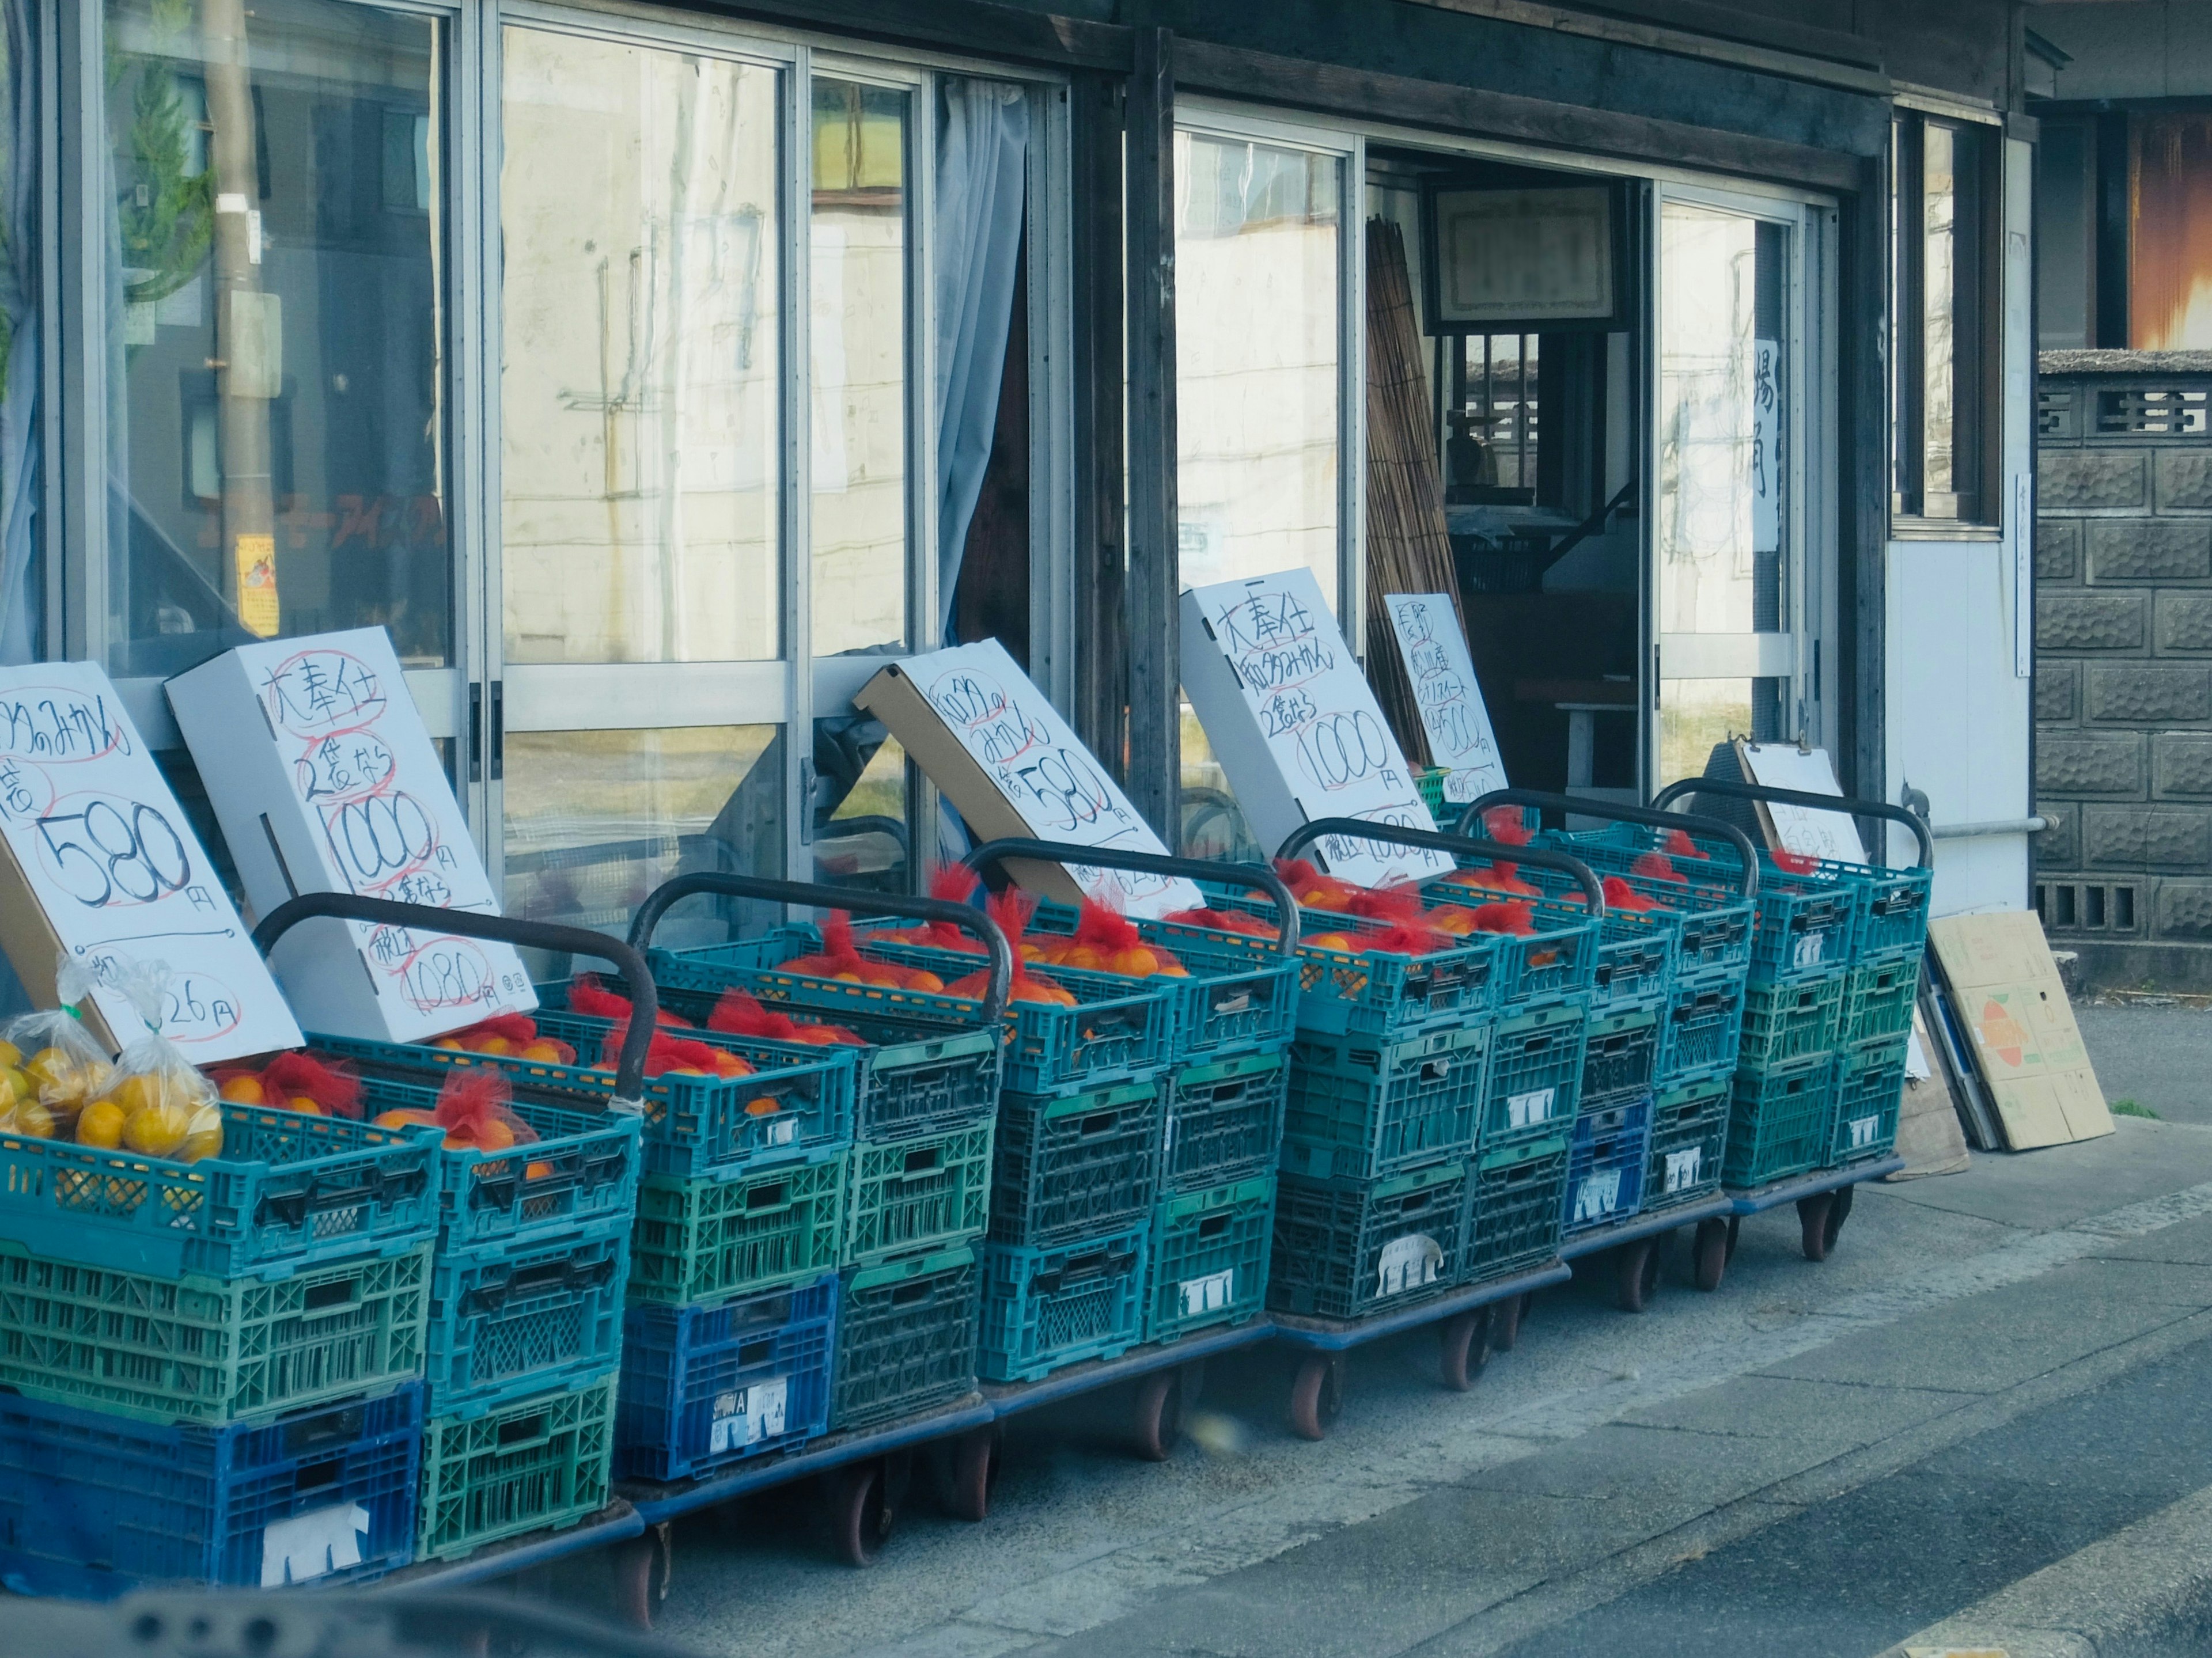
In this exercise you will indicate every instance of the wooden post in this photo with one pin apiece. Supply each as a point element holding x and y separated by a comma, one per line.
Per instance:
<point>1155,678</point>
<point>1102,635</point>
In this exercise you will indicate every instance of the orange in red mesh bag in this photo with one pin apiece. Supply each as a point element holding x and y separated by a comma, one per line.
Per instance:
<point>475,1108</point>
<point>739,1014</point>
<point>1027,986</point>
<point>587,996</point>
<point>1106,942</point>
<point>839,958</point>
<point>1313,889</point>
<point>1225,920</point>
<point>1656,866</point>
<point>319,1087</point>
<point>953,884</point>
<point>676,1056</point>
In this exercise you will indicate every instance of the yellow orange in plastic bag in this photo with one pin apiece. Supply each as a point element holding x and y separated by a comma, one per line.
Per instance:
<point>101,1124</point>
<point>138,1093</point>
<point>156,1131</point>
<point>10,1055</point>
<point>203,1139</point>
<point>27,1117</point>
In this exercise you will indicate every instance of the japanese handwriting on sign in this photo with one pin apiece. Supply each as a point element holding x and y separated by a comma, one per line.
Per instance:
<point>1447,693</point>
<point>1765,446</point>
<point>52,724</point>
<point>320,691</point>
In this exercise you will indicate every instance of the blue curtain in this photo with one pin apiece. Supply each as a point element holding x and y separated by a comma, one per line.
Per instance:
<point>20,460</point>
<point>976,239</point>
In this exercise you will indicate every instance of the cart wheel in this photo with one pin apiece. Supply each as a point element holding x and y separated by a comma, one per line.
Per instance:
<point>861,1511</point>
<point>642,1566</point>
<point>1316,1394</point>
<point>1711,1253</point>
<point>1156,1422</point>
<point>1813,1225</point>
<point>1838,1212</point>
<point>1505,1318</point>
<point>1635,1274</point>
<point>966,1469</point>
<point>1736,1226</point>
<point>1465,1338</point>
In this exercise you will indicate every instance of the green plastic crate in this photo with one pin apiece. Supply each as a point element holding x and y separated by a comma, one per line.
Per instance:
<point>1878,1001</point>
<point>1225,1120</point>
<point>1869,1085</point>
<point>1361,1108</point>
<point>1209,1258</point>
<point>210,1349</point>
<point>1515,1197</point>
<point>1535,1074</point>
<point>1347,1248</point>
<point>702,1240</point>
<point>539,1464</point>
<point>916,1193</point>
<point>1789,1021</point>
<point>1076,1166</point>
<point>1778,1121</point>
<point>906,1336</point>
<point>1689,1134</point>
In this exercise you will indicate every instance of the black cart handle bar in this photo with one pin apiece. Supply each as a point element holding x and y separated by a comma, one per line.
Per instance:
<point>645,1002</point>
<point>1462,846</point>
<point>966,917</point>
<point>1150,863</point>
<point>1647,815</point>
<point>1843,802</point>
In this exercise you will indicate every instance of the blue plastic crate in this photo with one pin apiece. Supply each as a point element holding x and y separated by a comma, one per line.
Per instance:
<point>1514,1207</point>
<point>1076,1166</point>
<point>1360,1108</point>
<point>1620,1053</point>
<point>1700,1031</point>
<point>1242,994</point>
<point>525,1315</point>
<point>1535,1080</point>
<point>1605,1166</point>
<point>94,1505</point>
<point>1225,1120</point>
<point>1044,1309</point>
<point>705,1387</point>
<point>1869,1087</point>
<point>1344,1248</point>
<point>906,1336</point>
<point>1209,1258</point>
<point>1689,1133</point>
<point>290,1190</point>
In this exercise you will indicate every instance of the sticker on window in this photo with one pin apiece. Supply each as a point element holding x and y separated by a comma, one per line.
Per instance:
<point>1683,1167</point>
<point>1598,1196</point>
<point>746,1416</point>
<point>312,1545</point>
<point>1522,1110</point>
<point>1209,1294</point>
<point>1407,1263</point>
<point>1863,1132</point>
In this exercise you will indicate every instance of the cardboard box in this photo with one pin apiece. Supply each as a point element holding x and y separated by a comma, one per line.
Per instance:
<point>98,862</point>
<point>2006,991</point>
<point>325,780</point>
<point>1002,754</point>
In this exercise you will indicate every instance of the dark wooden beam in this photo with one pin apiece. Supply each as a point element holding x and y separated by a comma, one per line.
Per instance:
<point>1018,34</point>
<point>1860,677</point>
<point>1155,705</point>
<point>1102,638</point>
<point>1265,77</point>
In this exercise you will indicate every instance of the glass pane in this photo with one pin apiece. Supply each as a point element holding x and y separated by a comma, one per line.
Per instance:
<point>1213,824</point>
<point>861,821</point>
<point>858,341</point>
<point>22,577</point>
<point>1257,327</point>
<point>2169,232</point>
<point>1694,715</point>
<point>1939,369</point>
<point>1723,443</point>
<point>597,819</point>
<point>638,389</point>
<point>275,346</point>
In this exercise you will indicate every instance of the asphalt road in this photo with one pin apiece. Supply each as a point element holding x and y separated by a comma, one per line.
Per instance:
<point>2159,1057</point>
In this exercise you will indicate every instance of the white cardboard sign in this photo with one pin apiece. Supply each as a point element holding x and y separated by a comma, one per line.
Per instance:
<point>1295,725</point>
<point>117,872</point>
<point>325,780</point>
<point>1442,673</point>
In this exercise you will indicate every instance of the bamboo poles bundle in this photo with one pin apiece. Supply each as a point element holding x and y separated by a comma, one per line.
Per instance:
<point>1408,550</point>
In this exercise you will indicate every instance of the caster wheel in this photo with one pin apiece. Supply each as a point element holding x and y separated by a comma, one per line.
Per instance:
<point>861,1511</point>
<point>1316,1394</point>
<point>966,1470</point>
<point>1465,1340</point>
<point>1156,1422</point>
<point>1711,1252</point>
<point>1838,1212</point>
<point>1506,1322</point>
<point>641,1566</point>
<point>1815,1233</point>
<point>1635,1274</point>
<point>1736,1226</point>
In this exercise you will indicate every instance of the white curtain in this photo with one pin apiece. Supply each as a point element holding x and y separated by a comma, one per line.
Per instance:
<point>975,236</point>
<point>19,404</point>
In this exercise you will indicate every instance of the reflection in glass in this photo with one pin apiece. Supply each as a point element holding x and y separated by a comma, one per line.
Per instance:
<point>638,467</point>
<point>1722,444</point>
<point>276,351</point>
<point>597,819</point>
<point>1213,824</point>
<point>1695,715</point>
<point>863,840</point>
<point>1257,419</point>
<point>22,463</point>
<point>1939,206</point>
<point>857,244</point>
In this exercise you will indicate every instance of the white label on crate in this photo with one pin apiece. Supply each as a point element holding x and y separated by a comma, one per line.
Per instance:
<point>1810,949</point>
<point>1407,1263</point>
<point>1522,1110</point>
<point>312,1545</point>
<point>745,1416</point>
<point>1598,1196</point>
<point>1683,1167</point>
<point>1209,1294</point>
<point>1863,1132</point>
<point>785,1133</point>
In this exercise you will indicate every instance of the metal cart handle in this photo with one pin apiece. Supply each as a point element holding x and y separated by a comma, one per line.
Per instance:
<point>1647,815</point>
<point>1356,828</point>
<point>1843,802</point>
<point>644,1000</point>
<point>1150,863</point>
<point>966,917</point>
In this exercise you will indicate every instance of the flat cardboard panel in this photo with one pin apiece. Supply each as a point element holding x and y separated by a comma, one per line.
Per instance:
<point>1442,674</point>
<point>1295,725</point>
<point>325,780</point>
<point>101,862</point>
<point>999,751</point>
<point>2026,1045</point>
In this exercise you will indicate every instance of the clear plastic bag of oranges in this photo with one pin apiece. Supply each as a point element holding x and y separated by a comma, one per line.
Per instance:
<point>158,1103</point>
<point>50,1066</point>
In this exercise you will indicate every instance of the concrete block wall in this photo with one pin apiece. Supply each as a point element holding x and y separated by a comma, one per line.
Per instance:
<point>2123,665</point>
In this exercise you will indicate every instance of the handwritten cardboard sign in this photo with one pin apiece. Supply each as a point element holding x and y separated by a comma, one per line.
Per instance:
<point>325,780</point>
<point>1803,830</point>
<point>1004,757</point>
<point>101,863</point>
<point>1445,689</point>
<point>1294,725</point>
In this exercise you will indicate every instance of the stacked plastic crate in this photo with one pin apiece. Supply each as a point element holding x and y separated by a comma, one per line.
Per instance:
<point>1700,1031</point>
<point>212,1373</point>
<point>1875,1026</point>
<point>1609,1156</point>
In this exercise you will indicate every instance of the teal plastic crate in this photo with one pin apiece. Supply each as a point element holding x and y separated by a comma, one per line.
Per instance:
<point>1516,1196</point>
<point>1869,1087</point>
<point>1225,1120</point>
<point>1344,1248</point>
<point>1209,1258</point>
<point>906,1336</point>
<point>1044,1309</point>
<point>1240,997</point>
<point>1076,1166</point>
<point>1714,923</point>
<point>1879,1000</point>
<point>1535,1074</point>
<point>706,1240</point>
<point>920,1193</point>
<point>1892,921</point>
<point>1689,1134</point>
<point>1789,1021</point>
<point>521,1317</point>
<point>1360,1108</point>
<point>541,1464</point>
<point>1700,1031</point>
<point>210,1350</point>
<point>1778,1121</point>
<point>1621,1054</point>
